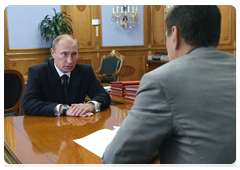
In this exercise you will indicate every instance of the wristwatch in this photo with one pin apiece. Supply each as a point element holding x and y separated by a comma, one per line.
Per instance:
<point>65,107</point>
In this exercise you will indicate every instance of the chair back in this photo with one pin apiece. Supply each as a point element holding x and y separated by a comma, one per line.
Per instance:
<point>110,67</point>
<point>13,91</point>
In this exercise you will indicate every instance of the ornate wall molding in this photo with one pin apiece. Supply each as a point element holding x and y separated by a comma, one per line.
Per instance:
<point>157,7</point>
<point>81,8</point>
<point>127,71</point>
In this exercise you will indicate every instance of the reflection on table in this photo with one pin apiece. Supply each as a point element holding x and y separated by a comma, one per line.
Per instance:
<point>35,139</point>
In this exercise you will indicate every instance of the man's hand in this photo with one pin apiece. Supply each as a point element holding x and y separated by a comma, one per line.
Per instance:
<point>82,110</point>
<point>71,113</point>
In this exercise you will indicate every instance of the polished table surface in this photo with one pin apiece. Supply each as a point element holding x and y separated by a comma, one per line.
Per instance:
<point>120,100</point>
<point>49,140</point>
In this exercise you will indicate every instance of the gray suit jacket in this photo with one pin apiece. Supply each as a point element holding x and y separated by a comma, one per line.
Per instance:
<point>185,110</point>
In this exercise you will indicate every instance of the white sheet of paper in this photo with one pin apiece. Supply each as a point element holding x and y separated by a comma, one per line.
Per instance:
<point>107,87</point>
<point>97,141</point>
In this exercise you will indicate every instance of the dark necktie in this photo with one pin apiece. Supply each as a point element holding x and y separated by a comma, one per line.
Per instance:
<point>65,87</point>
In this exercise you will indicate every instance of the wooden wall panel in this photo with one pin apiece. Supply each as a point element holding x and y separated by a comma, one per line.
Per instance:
<point>22,63</point>
<point>228,29</point>
<point>89,58</point>
<point>157,26</point>
<point>83,30</point>
<point>225,37</point>
<point>134,65</point>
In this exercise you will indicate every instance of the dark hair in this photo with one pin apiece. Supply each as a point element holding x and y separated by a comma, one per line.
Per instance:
<point>199,25</point>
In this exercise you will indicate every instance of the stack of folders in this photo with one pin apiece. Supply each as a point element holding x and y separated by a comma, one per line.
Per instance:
<point>127,89</point>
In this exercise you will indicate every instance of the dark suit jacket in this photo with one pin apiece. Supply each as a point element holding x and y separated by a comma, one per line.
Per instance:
<point>44,91</point>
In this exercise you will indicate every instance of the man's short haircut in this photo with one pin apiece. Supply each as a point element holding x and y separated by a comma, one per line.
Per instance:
<point>58,38</point>
<point>199,25</point>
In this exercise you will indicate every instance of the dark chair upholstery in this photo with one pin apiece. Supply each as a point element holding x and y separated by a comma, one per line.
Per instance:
<point>13,91</point>
<point>110,67</point>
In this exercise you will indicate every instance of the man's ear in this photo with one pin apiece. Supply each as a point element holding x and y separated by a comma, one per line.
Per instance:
<point>52,53</point>
<point>176,37</point>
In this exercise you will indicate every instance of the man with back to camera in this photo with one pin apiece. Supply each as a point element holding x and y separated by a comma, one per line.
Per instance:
<point>44,94</point>
<point>185,110</point>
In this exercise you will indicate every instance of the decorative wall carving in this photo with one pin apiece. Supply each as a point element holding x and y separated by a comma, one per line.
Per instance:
<point>127,71</point>
<point>81,8</point>
<point>157,7</point>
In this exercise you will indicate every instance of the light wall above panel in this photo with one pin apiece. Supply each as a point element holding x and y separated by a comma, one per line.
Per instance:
<point>119,36</point>
<point>23,23</point>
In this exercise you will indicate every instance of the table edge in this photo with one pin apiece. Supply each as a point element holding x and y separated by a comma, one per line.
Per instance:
<point>13,156</point>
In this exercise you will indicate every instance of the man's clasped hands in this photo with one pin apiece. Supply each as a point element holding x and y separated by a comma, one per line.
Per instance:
<point>81,109</point>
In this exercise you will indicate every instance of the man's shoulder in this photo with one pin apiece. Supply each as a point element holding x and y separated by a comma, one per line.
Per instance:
<point>43,67</point>
<point>45,64</point>
<point>81,66</point>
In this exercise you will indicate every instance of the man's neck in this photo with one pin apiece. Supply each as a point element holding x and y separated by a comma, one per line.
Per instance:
<point>60,73</point>
<point>184,49</point>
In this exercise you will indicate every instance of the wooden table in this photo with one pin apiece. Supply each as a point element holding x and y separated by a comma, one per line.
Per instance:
<point>116,100</point>
<point>49,140</point>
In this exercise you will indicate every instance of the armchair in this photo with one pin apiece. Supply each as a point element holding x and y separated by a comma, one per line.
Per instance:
<point>13,90</point>
<point>110,67</point>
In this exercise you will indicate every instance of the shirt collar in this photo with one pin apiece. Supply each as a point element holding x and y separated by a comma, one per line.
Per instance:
<point>61,73</point>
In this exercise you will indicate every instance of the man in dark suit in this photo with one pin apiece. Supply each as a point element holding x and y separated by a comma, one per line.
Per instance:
<point>47,93</point>
<point>185,110</point>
